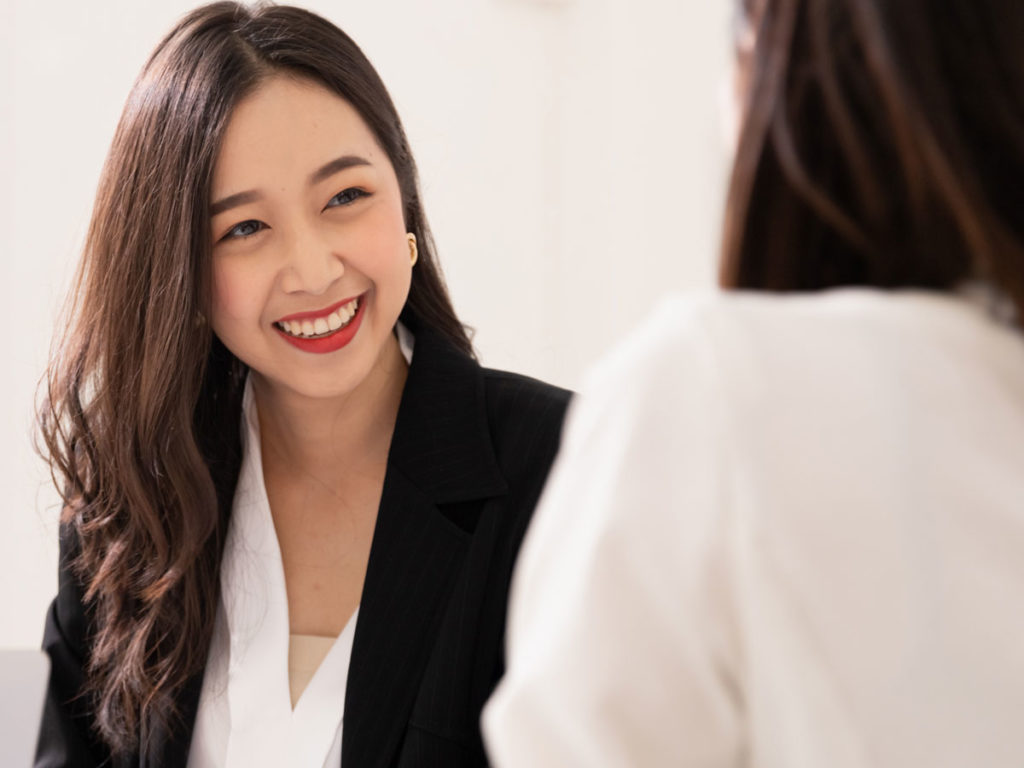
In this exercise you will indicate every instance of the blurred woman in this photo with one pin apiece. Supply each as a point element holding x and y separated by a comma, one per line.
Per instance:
<point>292,497</point>
<point>787,524</point>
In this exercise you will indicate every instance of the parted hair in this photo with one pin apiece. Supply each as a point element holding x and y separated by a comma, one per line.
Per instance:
<point>140,407</point>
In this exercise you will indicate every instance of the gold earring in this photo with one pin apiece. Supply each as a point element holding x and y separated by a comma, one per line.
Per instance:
<point>413,253</point>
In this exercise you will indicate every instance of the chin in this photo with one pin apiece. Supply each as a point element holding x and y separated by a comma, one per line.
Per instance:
<point>316,385</point>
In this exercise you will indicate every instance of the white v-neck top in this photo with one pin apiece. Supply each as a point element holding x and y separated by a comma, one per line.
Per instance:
<point>245,717</point>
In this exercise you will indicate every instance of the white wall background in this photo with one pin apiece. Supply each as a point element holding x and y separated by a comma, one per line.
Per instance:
<point>570,152</point>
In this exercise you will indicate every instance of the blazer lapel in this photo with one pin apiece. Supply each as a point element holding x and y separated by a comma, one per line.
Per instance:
<point>415,557</point>
<point>441,452</point>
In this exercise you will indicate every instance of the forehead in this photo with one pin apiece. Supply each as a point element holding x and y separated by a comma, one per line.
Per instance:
<point>287,128</point>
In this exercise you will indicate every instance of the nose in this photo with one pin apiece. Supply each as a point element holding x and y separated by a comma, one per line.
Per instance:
<point>311,263</point>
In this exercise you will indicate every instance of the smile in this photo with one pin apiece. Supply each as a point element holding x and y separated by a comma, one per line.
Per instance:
<point>325,331</point>
<point>320,327</point>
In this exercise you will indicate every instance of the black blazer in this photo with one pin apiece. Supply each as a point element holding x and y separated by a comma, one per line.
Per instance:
<point>469,456</point>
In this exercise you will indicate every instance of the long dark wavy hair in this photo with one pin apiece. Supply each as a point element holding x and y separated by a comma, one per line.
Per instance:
<point>141,410</point>
<point>883,145</point>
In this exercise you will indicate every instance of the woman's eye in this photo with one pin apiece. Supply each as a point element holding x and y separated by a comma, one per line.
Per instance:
<point>346,197</point>
<point>245,229</point>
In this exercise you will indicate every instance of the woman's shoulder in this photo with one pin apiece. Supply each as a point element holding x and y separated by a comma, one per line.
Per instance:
<point>735,332</point>
<point>752,362</point>
<point>514,396</point>
<point>763,313</point>
<point>525,417</point>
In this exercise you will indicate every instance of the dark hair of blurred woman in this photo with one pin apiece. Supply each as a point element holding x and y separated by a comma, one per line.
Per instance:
<point>883,146</point>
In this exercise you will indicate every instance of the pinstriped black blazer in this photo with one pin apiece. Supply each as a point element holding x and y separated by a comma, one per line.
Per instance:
<point>469,456</point>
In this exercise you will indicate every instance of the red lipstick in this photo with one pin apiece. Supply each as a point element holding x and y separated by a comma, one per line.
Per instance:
<point>332,341</point>
<point>317,312</point>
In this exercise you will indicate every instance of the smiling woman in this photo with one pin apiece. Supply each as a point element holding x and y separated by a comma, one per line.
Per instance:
<point>308,225</point>
<point>292,497</point>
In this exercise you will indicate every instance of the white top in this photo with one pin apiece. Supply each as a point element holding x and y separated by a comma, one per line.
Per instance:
<point>245,717</point>
<point>784,533</point>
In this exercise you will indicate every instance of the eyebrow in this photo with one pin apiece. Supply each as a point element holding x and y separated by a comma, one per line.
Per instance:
<point>323,172</point>
<point>336,166</point>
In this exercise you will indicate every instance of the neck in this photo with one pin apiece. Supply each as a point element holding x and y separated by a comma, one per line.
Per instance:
<point>316,437</point>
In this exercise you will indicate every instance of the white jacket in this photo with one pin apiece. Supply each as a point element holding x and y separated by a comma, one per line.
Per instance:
<point>784,533</point>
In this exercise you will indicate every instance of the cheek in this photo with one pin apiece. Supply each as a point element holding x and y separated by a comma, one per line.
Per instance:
<point>393,265</point>
<point>382,249</point>
<point>235,295</point>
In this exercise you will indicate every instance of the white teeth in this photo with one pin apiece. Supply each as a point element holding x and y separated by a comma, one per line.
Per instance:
<point>322,325</point>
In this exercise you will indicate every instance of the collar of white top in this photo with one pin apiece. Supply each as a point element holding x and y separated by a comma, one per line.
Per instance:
<point>991,299</point>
